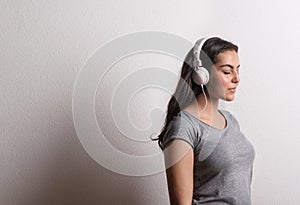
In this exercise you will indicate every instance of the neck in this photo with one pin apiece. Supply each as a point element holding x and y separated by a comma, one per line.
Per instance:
<point>211,105</point>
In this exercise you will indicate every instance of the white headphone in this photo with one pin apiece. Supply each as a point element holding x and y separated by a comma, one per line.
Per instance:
<point>200,74</point>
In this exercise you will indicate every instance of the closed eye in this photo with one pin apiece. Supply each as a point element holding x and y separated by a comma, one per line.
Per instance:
<point>226,73</point>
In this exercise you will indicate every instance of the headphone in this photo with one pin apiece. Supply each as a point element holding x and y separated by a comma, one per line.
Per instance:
<point>200,74</point>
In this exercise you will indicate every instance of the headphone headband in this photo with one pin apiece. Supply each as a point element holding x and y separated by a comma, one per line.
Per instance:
<point>197,48</point>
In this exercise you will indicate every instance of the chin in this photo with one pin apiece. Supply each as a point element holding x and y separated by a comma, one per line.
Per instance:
<point>230,98</point>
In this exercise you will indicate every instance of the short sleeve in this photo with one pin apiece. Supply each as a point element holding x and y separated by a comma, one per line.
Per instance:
<point>180,128</point>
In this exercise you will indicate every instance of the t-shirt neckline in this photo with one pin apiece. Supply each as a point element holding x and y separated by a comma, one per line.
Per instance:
<point>207,125</point>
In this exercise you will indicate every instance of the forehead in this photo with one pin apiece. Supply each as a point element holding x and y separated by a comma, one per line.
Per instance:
<point>228,57</point>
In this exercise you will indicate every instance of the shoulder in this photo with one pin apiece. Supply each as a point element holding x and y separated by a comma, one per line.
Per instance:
<point>181,127</point>
<point>181,122</point>
<point>183,119</point>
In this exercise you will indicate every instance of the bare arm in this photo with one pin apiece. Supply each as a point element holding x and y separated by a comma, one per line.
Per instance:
<point>180,175</point>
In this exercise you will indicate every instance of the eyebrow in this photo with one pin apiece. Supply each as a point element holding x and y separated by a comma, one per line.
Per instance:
<point>229,66</point>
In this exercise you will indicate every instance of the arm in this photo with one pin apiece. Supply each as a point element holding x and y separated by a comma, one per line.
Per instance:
<point>180,175</point>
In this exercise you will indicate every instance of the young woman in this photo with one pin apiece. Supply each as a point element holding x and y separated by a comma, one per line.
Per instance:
<point>208,159</point>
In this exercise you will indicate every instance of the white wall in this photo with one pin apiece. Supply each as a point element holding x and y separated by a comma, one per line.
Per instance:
<point>43,46</point>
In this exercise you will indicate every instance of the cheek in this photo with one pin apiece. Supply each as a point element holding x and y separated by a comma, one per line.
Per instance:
<point>219,81</point>
<point>224,80</point>
<point>218,84</point>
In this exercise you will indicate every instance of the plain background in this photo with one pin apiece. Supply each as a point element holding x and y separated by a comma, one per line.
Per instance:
<point>43,45</point>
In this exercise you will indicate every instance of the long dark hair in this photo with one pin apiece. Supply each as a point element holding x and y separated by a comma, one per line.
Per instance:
<point>187,90</point>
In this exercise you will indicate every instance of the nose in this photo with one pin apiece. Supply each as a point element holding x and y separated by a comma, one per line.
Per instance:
<point>236,77</point>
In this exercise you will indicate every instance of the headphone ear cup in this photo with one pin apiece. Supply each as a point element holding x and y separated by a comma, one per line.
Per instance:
<point>201,76</point>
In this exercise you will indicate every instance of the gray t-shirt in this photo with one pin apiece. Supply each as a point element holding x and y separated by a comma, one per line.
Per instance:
<point>223,159</point>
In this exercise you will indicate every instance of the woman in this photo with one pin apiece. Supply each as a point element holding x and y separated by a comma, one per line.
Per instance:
<point>208,159</point>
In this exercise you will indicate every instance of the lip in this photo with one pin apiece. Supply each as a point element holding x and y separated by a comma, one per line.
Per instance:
<point>232,89</point>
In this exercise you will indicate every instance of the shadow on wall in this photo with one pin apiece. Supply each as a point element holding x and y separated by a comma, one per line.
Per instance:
<point>67,175</point>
